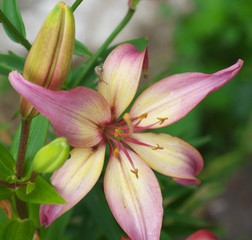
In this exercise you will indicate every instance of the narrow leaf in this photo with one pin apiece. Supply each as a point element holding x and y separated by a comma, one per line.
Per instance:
<point>43,193</point>
<point>81,50</point>
<point>11,11</point>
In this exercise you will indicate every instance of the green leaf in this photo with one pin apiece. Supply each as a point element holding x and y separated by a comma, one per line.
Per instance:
<point>43,193</point>
<point>81,50</point>
<point>37,138</point>
<point>5,193</point>
<point>7,164</point>
<point>10,62</point>
<point>30,187</point>
<point>19,230</point>
<point>97,206</point>
<point>11,11</point>
<point>57,229</point>
<point>6,158</point>
<point>4,221</point>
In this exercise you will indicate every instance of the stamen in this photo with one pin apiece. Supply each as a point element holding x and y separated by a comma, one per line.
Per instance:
<point>157,147</point>
<point>117,132</point>
<point>135,171</point>
<point>127,119</point>
<point>144,115</point>
<point>162,120</point>
<point>116,153</point>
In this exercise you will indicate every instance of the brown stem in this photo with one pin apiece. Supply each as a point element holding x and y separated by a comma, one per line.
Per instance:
<point>21,208</point>
<point>26,124</point>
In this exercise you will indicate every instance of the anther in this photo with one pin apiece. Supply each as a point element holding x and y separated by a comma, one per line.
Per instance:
<point>117,132</point>
<point>143,116</point>
<point>116,153</point>
<point>135,171</point>
<point>157,147</point>
<point>162,120</point>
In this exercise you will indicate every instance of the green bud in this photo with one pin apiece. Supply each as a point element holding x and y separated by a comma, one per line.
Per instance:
<point>52,156</point>
<point>49,60</point>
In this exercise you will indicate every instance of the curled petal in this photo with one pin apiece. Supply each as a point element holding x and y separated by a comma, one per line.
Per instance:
<point>170,156</point>
<point>136,203</point>
<point>75,114</point>
<point>202,234</point>
<point>74,180</point>
<point>173,97</point>
<point>120,77</point>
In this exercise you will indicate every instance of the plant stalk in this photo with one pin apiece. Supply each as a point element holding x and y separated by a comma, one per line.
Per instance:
<point>21,208</point>
<point>25,130</point>
<point>76,4</point>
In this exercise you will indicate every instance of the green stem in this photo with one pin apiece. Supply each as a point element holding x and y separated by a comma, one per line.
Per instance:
<point>91,63</point>
<point>15,32</point>
<point>25,130</point>
<point>76,4</point>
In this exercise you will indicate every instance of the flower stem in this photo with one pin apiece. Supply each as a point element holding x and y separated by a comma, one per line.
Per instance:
<point>14,30</point>
<point>21,208</point>
<point>25,129</point>
<point>76,4</point>
<point>91,63</point>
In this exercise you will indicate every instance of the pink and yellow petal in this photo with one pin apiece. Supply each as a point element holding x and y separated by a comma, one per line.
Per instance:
<point>174,97</point>
<point>75,114</point>
<point>170,156</point>
<point>136,203</point>
<point>74,180</point>
<point>121,74</point>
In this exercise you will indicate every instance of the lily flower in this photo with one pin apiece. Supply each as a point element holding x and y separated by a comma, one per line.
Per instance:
<point>90,119</point>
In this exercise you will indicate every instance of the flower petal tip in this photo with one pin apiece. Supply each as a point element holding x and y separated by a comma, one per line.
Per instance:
<point>187,182</point>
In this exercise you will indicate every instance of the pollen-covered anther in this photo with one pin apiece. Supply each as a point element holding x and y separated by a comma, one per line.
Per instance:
<point>157,147</point>
<point>162,120</point>
<point>135,171</point>
<point>116,153</point>
<point>142,116</point>
<point>117,132</point>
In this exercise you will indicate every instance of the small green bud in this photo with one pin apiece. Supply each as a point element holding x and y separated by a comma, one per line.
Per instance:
<point>50,57</point>
<point>52,156</point>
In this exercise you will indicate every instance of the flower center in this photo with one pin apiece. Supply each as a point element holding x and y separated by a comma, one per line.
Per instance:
<point>118,134</point>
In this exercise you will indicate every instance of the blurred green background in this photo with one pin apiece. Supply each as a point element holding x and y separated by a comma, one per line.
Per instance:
<point>212,35</point>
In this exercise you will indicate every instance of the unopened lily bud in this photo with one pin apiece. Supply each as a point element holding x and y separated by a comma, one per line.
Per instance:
<point>52,156</point>
<point>49,60</point>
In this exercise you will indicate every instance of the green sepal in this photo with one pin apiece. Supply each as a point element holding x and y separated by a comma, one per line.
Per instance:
<point>11,11</point>
<point>43,193</point>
